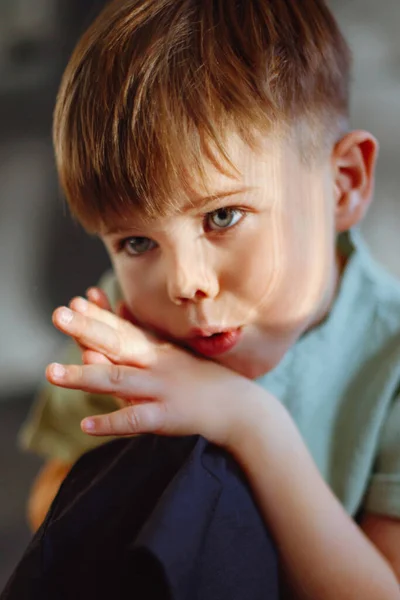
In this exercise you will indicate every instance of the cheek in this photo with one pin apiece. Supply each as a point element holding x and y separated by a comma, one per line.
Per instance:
<point>304,260</point>
<point>251,277</point>
<point>287,271</point>
<point>139,290</point>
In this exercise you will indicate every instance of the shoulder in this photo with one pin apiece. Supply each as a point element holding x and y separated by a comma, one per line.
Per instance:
<point>363,328</point>
<point>378,291</point>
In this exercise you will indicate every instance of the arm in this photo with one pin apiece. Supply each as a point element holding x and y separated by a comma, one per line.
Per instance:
<point>381,518</point>
<point>325,554</point>
<point>44,490</point>
<point>384,532</point>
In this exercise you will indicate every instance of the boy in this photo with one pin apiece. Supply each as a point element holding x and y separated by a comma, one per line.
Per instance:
<point>207,144</point>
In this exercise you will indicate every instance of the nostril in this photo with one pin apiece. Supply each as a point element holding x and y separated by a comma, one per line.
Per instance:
<point>200,295</point>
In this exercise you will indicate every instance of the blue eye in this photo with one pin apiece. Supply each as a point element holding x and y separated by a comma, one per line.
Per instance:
<point>135,246</point>
<point>223,218</point>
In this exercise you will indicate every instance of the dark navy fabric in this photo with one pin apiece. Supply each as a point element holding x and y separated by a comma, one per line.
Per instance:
<point>150,517</point>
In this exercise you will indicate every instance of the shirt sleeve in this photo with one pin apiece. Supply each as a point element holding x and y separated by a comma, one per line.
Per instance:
<point>52,428</point>
<point>383,494</point>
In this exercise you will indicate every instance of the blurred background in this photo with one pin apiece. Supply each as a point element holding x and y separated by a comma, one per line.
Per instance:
<point>45,259</point>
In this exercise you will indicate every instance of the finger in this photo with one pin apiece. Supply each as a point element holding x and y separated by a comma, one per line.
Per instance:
<point>116,380</point>
<point>146,417</point>
<point>122,312</point>
<point>88,332</point>
<point>86,355</point>
<point>98,297</point>
<point>126,344</point>
<point>81,347</point>
<point>88,309</point>
<point>121,402</point>
<point>89,357</point>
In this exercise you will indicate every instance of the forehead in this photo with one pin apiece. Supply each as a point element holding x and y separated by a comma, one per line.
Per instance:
<point>270,158</point>
<point>271,166</point>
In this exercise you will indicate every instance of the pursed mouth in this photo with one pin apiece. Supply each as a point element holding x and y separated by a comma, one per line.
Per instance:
<point>208,341</point>
<point>214,344</point>
<point>209,332</point>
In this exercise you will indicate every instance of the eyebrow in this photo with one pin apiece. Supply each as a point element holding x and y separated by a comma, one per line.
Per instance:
<point>203,201</point>
<point>199,202</point>
<point>114,230</point>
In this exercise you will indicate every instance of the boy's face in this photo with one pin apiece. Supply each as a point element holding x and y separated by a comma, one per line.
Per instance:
<point>257,262</point>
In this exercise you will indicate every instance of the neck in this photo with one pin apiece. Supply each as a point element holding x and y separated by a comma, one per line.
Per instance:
<point>339,267</point>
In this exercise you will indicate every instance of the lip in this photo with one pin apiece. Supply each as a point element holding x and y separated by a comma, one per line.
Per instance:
<point>208,331</point>
<point>213,342</point>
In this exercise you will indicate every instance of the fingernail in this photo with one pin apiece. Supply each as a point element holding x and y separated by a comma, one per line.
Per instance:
<point>81,304</point>
<point>88,425</point>
<point>57,370</point>
<point>92,292</point>
<point>65,316</point>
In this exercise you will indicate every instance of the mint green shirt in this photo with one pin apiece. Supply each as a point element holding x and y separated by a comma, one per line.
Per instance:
<point>340,382</point>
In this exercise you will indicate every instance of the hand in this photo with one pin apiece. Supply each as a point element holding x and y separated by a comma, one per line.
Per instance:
<point>169,390</point>
<point>98,297</point>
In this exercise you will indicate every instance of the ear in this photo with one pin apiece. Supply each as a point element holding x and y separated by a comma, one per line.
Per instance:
<point>354,160</point>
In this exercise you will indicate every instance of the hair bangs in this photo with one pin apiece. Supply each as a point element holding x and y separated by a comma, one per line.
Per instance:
<point>154,88</point>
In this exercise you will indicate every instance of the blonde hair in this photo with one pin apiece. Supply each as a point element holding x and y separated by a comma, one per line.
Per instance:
<point>154,86</point>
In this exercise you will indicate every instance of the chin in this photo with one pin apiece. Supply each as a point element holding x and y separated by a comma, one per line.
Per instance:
<point>251,369</point>
<point>260,352</point>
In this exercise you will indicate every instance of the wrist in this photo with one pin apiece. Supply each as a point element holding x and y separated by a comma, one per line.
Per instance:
<point>258,417</point>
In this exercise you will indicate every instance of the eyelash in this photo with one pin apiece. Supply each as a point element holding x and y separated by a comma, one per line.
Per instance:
<point>232,209</point>
<point>120,245</point>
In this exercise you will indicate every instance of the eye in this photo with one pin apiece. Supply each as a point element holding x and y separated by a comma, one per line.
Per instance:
<point>136,246</point>
<point>223,218</point>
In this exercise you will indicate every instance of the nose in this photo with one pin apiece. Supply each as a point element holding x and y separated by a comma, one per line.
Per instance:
<point>191,280</point>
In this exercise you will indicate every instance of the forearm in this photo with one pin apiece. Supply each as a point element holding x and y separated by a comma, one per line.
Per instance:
<point>324,552</point>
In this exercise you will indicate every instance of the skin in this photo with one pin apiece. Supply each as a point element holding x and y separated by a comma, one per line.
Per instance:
<point>190,278</point>
<point>291,271</point>
<point>44,489</point>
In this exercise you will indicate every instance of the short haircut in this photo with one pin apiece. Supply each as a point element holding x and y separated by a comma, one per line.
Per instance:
<point>154,86</point>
